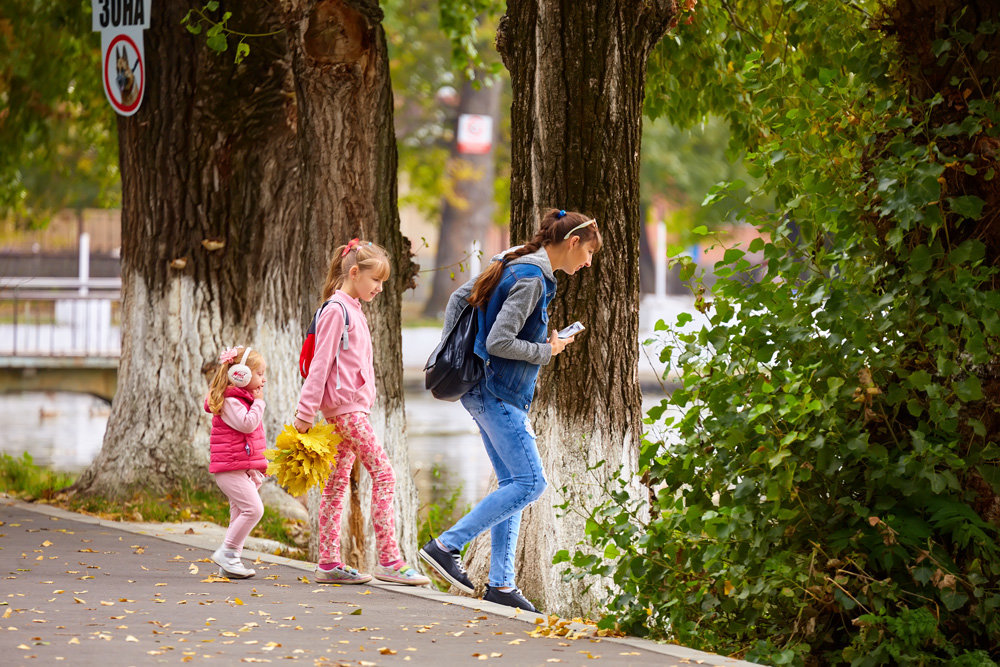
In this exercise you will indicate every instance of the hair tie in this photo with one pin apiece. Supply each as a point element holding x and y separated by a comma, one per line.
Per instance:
<point>227,356</point>
<point>350,246</point>
<point>561,214</point>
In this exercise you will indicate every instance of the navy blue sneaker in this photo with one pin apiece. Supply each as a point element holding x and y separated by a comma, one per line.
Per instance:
<point>448,564</point>
<point>511,598</point>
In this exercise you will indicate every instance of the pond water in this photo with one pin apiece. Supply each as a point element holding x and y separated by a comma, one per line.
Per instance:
<point>64,431</point>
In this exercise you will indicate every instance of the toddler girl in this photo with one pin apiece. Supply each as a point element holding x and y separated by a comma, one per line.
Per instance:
<point>237,449</point>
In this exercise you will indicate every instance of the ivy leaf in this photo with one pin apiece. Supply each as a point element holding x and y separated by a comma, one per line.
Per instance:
<point>217,42</point>
<point>969,389</point>
<point>953,599</point>
<point>242,51</point>
<point>968,206</point>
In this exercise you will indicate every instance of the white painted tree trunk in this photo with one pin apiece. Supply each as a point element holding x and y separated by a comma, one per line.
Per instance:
<point>280,158</point>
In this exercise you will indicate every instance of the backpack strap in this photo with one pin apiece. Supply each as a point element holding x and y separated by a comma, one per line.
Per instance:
<point>344,339</point>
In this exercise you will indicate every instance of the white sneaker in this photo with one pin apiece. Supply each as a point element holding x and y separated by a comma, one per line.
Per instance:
<point>230,564</point>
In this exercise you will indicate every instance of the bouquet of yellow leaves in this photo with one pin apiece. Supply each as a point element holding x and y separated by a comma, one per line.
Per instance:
<point>303,460</point>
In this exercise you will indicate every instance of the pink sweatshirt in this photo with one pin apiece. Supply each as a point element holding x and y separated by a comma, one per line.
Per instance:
<point>357,370</point>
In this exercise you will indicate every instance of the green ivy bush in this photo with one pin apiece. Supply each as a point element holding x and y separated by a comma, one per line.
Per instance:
<point>832,498</point>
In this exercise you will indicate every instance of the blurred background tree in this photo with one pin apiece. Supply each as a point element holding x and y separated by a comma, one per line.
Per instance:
<point>56,127</point>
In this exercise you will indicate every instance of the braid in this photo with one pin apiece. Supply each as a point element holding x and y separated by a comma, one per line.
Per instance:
<point>490,278</point>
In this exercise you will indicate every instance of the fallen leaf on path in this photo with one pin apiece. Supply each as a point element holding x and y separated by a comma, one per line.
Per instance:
<point>356,612</point>
<point>79,601</point>
<point>386,651</point>
<point>130,638</point>
<point>212,578</point>
<point>193,569</point>
<point>237,601</point>
<point>46,543</point>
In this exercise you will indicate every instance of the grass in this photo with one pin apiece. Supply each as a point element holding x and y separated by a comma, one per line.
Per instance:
<point>22,478</point>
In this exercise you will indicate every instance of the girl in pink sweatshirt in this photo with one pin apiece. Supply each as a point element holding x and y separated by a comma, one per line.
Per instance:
<point>237,449</point>
<point>341,385</point>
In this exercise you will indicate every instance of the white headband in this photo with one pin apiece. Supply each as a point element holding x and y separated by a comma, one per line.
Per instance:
<point>592,221</point>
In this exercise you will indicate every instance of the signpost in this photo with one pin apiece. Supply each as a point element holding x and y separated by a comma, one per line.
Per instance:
<point>123,66</point>
<point>475,134</point>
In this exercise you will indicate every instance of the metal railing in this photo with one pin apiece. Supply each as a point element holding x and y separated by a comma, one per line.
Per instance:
<point>60,317</point>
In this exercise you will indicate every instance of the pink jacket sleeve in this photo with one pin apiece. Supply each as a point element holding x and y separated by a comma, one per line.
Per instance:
<point>329,329</point>
<point>236,415</point>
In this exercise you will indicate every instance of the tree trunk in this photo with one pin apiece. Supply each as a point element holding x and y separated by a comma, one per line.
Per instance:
<point>962,75</point>
<point>576,117</point>
<point>468,207</point>
<point>280,158</point>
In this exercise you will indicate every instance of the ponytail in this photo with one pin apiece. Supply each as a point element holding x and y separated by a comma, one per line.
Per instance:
<point>555,226</point>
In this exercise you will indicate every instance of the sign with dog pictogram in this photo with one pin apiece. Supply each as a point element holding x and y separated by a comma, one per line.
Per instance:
<point>123,67</point>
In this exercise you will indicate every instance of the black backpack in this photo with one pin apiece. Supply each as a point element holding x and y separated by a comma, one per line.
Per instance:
<point>453,367</point>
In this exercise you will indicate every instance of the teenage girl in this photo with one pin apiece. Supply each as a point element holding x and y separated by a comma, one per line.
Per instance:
<point>512,296</point>
<point>237,449</point>
<point>341,385</point>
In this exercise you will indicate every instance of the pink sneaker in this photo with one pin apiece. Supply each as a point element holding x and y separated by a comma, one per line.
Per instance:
<point>402,574</point>
<point>341,575</point>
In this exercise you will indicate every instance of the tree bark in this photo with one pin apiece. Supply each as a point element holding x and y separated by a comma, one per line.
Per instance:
<point>280,158</point>
<point>577,71</point>
<point>469,206</point>
<point>961,75</point>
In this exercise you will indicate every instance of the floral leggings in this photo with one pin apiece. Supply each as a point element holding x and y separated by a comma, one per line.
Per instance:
<point>358,442</point>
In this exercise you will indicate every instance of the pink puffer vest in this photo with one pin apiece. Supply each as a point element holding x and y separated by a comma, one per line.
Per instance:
<point>231,449</point>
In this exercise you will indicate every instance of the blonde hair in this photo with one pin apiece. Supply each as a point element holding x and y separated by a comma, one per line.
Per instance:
<point>220,381</point>
<point>365,255</point>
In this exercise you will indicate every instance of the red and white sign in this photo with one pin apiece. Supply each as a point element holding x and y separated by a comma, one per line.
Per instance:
<point>475,133</point>
<point>123,66</point>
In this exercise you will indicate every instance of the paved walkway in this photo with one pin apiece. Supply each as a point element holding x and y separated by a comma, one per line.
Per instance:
<point>84,591</point>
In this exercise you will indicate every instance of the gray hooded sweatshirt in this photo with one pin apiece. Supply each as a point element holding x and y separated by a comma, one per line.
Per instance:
<point>520,302</point>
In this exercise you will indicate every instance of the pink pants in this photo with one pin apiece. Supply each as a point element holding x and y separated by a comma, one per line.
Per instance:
<point>358,442</point>
<point>245,507</point>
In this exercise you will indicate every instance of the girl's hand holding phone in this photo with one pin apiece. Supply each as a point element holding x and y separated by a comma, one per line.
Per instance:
<point>558,344</point>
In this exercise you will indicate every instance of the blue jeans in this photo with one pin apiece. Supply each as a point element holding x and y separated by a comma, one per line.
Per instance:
<point>510,444</point>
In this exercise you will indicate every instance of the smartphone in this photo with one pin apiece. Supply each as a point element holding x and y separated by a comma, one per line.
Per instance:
<point>571,330</point>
